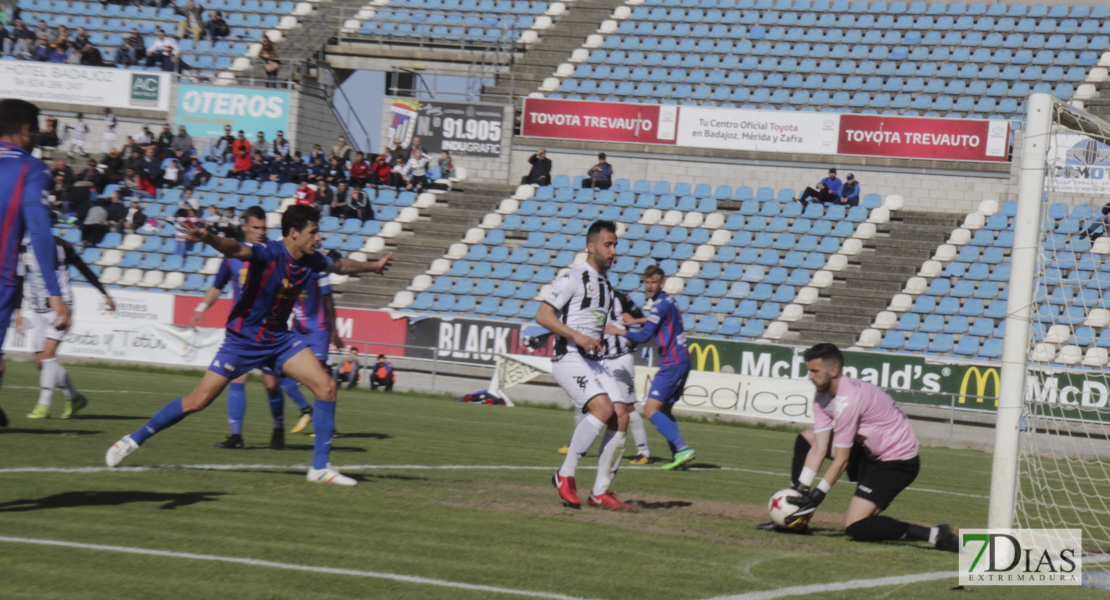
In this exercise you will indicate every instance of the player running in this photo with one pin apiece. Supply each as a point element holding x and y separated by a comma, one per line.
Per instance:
<point>46,338</point>
<point>314,321</point>
<point>576,310</point>
<point>24,183</point>
<point>872,440</point>
<point>665,324</point>
<point>258,333</point>
<point>234,271</point>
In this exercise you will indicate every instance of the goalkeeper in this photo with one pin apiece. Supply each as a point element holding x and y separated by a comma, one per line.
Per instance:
<point>872,440</point>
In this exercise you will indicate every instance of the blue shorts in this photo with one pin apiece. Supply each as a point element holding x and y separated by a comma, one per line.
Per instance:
<point>318,342</point>
<point>669,382</point>
<point>239,355</point>
<point>8,294</point>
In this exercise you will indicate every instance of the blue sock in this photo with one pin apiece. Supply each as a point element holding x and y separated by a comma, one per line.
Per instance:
<point>669,429</point>
<point>293,388</point>
<point>170,414</point>
<point>323,423</point>
<point>277,407</point>
<point>236,406</point>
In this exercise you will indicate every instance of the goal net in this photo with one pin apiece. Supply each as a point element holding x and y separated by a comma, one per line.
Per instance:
<point>1052,448</point>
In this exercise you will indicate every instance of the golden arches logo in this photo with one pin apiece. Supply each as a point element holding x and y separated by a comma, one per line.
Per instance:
<point>982,378</point>
<point>700,354</point>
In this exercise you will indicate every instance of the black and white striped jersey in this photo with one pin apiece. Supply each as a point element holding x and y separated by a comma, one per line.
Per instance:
<point>583,299</point>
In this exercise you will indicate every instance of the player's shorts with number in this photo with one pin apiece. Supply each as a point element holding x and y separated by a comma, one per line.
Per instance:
<point>239,355</point>
<point>622,376</point>
<point>583,379</point>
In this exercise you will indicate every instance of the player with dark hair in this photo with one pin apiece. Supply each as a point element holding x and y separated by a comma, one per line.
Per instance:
<point>234,271</point>
<point>258,332</point>
<point>46,338</point>
<point>860,427</point>
<point>664,323</point>
<point>24,185</point>
<point>575,311</point>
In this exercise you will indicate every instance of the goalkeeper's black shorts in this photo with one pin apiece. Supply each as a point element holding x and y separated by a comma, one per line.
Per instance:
<point>881,481</point>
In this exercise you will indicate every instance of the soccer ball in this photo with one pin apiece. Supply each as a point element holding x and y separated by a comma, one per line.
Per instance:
<point>781,510</point>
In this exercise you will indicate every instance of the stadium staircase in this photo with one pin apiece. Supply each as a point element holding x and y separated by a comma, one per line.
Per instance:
<point>422,242</point>
<point>541,59</point>
<point>880,271</point>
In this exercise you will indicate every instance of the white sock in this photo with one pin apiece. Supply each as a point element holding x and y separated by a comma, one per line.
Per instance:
<point>584,436</point>
<point>933,532</point>
<point>636,425</point>
<point>48,380</point>
<point>66,383</point>
<point>608,460</point>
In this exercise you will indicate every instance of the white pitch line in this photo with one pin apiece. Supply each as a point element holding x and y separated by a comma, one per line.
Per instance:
<point>402,467</point>
<point>292,567</point>
<point>840,586</point>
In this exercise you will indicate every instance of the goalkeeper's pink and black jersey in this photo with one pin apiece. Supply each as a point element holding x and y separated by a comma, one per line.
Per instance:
<point>862,412</point>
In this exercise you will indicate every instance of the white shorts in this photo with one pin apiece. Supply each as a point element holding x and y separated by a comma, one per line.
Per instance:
<point>581,378</point>
<point>43,324</point>
<point>622,376</point>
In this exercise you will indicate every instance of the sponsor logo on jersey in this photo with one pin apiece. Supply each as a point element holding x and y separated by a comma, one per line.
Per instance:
<point>581,381</point>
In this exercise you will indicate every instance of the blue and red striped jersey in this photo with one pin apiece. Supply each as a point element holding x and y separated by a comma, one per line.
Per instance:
<point>271,286</point>
<point>234,271</point>
<point>665,324</point>
<point>308,314</point>
<point>24,184</point>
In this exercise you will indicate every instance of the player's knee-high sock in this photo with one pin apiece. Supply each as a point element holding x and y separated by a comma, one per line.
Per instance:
<point>801,449</point>
<point>636,426</point>
<point>323,422</point>
<point>167,417</point>
<point>277,407</point>
<point>66,382</point>
<point>584,436</point>
<point>880,528</point>
<point>293,388</point>
<point>669,428</point>
<point>608,460</point>
<point>236,406</point>
<point>48,380</point>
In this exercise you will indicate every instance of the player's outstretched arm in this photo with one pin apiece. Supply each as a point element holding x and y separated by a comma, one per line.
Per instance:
<point>346,266</point>
<point>210,296</point>
<point>73,258</point>
<point>198,232</point>
<point>547,319</point>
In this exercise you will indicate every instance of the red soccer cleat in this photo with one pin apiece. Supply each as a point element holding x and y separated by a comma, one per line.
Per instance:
<point>609,501</point>
<point>567,490</point>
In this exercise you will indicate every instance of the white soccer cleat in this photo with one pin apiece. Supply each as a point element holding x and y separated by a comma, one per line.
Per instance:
<point>329,475</point>
<point>120,450</point>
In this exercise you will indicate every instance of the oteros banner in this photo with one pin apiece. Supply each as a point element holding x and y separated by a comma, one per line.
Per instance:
<point>601,121</point>
<point>205,109</point>
<point>84,86</point>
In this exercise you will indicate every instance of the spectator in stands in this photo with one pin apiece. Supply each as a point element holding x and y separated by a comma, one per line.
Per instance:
<point>188,201</point>
<point>849,193</point>
<point>174,62</point>
<point>241,168</point>
<point>269,56</point>
<point>296,171</point>
<point>95,226</point>
<point>305,195</point>
<point>358,205</point>
<point>58,53</point>
<point>338,206</point>
<point>108,138</point>
<point>194,20</point>
<point>600,176</point>
<point>382,375</point>
<point>318,170</point>
<point>145,136</point>
<point>160,48</point>
<point>22,40</point>
<point>359,175</point>
<point>1101,222</point>
<point>42,31</point>
<point>136,47</point>
<point>184,224</point>
<point>229,225</point>
<point>117,213</point>
<point>342,151</point>
<point>261,145</point>
<point>213,218</point>
<point>132,152</point>
<point>91,57</point>
<point>241,144</point>
<point>60,37</point>
<point>63,196</point>
<point>416,170</point>
<point>81,38</point>
<point>48,137</point>
<point>381,169</point>
<point>196,176</point>
<point>217,27</point>
<point>92,175</point>
<point>324,197</point>
<point>317,152</point>
<point>446,165</point>
<point>42,51</point>
<point>398,151</point>
<point>541,169</point>
<point>279,148</point>
<point>138,186</point>
<point>279,169</point>
<point>63,169</point>
<point>164,139</point>
<point>348,371</point>
<point>397,173</point>
<point>181,145</point>
<point>6,42</point>
<point>135,217</point>
<point>171,175</point>
<point>828,190</point>
<point>260,169</point>
<point>149,166</point>
<point>113,166</point>
<point>336,173</point>
<point>221,149</point>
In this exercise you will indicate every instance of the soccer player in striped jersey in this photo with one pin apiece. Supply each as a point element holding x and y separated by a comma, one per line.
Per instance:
<point>234,271</point>
<point>314,320</point>
<point>575,311</point>
<point>618,360</point>
<point>45,337</point>
<point>258,332</point>
<point>24,185</point>
<point>664,323</point>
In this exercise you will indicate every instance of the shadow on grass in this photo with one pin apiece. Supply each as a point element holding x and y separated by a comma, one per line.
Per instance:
<point>11,430</point>
<point>79,499</point>
<point>641,505</point>
<point>367,435</point>
<point>306,447</point>
<point>109,418</point>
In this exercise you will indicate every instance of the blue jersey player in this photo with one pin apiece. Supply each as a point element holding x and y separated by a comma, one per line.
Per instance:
<point>258,332</point>
<point>664,323</point>
<point>24,181</point>
<point>234,271</point>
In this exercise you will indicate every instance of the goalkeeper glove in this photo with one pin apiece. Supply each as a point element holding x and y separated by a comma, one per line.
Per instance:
<point>807,505</point>
<point>798,487</point>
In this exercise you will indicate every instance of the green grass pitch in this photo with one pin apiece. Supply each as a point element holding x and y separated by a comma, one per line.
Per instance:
<point>500,526</point>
